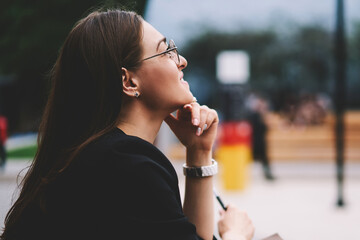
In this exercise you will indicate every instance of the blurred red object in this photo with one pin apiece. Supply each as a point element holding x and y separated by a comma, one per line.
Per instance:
<point>234,133</point>
<point>3,129</point>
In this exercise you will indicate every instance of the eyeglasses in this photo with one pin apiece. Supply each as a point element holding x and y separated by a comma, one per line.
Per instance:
<point>171,50</point>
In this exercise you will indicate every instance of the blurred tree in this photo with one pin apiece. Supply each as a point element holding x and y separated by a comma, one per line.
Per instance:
<point>31,33</point>
<point>280,64</point>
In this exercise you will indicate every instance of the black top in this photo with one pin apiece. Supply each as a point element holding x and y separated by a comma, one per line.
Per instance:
<point>119,187</point>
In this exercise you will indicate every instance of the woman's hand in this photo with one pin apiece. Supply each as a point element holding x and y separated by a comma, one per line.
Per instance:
<point>235,224</point>
<point>195,126</point>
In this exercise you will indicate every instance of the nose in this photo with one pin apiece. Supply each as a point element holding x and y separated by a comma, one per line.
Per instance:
<point>183,63</point>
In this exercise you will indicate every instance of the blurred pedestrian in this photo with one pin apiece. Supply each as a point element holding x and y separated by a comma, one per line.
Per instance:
<point>3,137</point>
<point>310,111</point>
<point>258,107</point>
<point>97,174</point>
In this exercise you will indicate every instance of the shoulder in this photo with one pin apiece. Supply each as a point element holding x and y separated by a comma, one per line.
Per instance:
<point>130,155</point>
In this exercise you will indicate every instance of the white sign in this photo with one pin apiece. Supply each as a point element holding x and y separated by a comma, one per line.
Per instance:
<point>233,67</point>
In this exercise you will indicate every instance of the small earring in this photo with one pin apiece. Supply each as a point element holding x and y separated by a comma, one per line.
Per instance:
<point>137,94</point>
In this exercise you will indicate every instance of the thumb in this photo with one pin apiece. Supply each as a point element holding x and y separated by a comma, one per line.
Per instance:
<point>221,212</point>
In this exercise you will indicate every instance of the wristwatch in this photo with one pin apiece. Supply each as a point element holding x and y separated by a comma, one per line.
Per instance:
<point>203,171</point>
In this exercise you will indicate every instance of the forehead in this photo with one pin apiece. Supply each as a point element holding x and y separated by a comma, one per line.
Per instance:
<point>151,37</point>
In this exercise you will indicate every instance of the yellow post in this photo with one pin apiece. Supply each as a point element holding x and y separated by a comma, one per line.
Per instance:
<point>234,160</point>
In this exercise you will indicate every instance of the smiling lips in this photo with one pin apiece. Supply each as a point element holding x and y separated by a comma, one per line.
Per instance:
<point>184,82</point>
<point>182,79</point>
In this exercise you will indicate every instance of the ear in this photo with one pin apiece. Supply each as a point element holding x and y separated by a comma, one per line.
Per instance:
<point>130,84</point>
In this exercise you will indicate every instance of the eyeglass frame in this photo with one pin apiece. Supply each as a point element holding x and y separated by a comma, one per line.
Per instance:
<point>166,51</point>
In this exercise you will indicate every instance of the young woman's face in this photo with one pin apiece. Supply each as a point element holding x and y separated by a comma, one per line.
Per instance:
<point>161,77</point>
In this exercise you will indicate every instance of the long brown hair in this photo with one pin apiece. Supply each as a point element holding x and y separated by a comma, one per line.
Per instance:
<point>85,98</point>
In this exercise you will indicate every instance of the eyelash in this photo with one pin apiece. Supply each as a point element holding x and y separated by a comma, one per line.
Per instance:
<point>168,53</point>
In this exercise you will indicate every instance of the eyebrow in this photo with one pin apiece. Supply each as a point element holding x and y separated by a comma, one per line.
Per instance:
<point>162,40</point>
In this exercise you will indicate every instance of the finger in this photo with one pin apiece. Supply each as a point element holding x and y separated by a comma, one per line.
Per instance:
<point>187,106</point>
<point>204,111</point>
<point>212,118</point>
<point>195,114</point>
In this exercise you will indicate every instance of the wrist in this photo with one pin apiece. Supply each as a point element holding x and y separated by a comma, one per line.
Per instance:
<point>198,158</point>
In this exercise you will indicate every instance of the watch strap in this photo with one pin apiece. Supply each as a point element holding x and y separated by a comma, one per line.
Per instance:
<point>203,171</point>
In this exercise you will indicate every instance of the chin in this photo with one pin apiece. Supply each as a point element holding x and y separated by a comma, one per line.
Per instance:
<point>182,102</point>
<point>189,98</point>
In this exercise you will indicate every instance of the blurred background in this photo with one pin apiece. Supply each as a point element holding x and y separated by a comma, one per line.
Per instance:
<point>284,77</point>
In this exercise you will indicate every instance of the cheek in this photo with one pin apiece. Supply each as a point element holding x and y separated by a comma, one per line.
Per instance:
<point>167,74</point>
<point>152,85</point>
<point>160,78</point>
<point>161,87</point>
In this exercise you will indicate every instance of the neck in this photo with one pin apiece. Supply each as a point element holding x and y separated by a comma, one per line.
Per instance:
<point>136,120</point>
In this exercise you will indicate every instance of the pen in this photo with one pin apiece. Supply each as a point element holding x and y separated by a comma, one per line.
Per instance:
<point>219,200</point>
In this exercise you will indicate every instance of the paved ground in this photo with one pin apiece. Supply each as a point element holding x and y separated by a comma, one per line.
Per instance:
<point>299,204</point>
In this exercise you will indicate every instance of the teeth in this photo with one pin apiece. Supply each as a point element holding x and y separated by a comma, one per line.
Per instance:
<point>182,80</point>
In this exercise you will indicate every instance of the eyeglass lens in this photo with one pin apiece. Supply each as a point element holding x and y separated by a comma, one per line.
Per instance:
<point>175,52</point>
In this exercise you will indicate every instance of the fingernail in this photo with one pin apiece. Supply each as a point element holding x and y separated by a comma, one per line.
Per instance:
<point>188,106</point>
<point>198,130</point>
<point>196,122</point>
<point>205,126</point>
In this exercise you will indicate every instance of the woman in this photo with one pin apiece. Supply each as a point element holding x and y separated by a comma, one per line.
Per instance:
<point>96,174</point>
